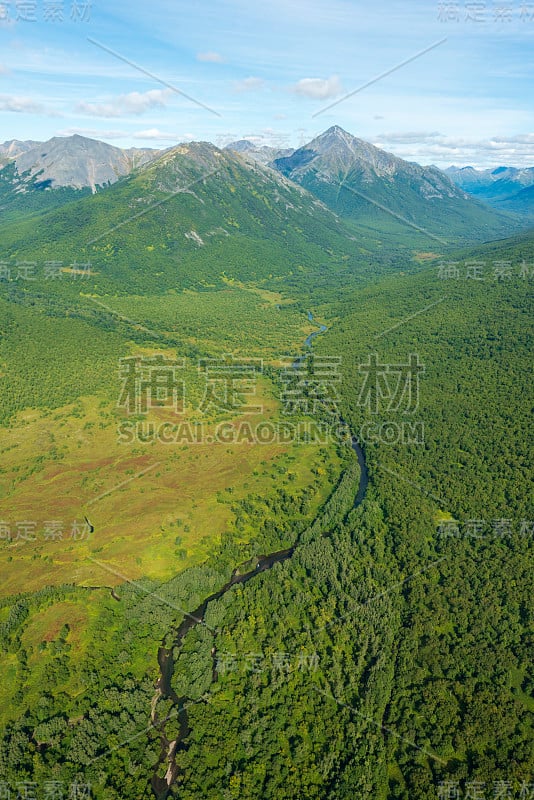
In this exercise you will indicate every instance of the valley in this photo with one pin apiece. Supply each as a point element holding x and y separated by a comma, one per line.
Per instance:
<point>191,613</point>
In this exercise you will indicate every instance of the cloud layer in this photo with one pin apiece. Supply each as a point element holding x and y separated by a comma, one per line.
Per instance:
<point>125,105</point>
<point>25,105</point>
<point>515,150</point>
<point>319,88</point>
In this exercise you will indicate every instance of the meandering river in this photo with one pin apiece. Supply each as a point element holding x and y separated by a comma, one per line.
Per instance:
<point>167,656</point>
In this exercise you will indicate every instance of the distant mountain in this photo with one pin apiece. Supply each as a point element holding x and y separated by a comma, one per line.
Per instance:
<point>263,154</point>
<point>367,185</point>
<point>45,175</point>
<point>504,188</point>
<point>520,203</point>
<point>76,162</point>
<point>469,178</point>
<point>15,147</point>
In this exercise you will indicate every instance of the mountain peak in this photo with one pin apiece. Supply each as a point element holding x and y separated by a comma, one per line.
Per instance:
<point>13,147</point>
<point>241,146</point>
<point>336,151</point>
<point>76,161</point>
<point>337,134</point>
<point>349,175</point>
<point>262,153</point>
<point>337,130</point>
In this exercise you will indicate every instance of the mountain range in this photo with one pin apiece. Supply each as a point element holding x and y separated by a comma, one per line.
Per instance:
<point>506,188</point>
<point>37,176</point>
<point>374,193</point>
<point>72,161</point>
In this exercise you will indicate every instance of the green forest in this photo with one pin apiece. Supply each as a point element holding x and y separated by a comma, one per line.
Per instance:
<point>387,587</point>
<point>388,653</point>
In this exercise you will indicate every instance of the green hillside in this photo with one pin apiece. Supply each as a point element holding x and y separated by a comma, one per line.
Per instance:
<point>392,650</point>
<point>372,189</point>
<point>20,198</point>
<point>195,216</point>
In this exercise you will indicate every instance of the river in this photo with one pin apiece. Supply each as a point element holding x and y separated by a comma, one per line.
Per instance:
<point>166,656</point>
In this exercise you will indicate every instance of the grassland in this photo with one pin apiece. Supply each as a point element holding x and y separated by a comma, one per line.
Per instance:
<point>156,508</point>
<point>176,494</point>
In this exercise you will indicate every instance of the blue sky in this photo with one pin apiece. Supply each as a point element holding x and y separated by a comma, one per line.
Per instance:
<point>266,70</point>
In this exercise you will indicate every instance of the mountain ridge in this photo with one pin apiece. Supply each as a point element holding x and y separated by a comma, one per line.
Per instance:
<point>77,161</point>
<point>502,187</point>
<point>367,186</point>
<point>362,182</point>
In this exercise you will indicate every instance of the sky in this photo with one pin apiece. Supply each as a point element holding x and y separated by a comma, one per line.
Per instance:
<point>433,82</point>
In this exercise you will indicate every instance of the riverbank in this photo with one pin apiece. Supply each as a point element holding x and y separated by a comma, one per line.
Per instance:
<point>168,656</point>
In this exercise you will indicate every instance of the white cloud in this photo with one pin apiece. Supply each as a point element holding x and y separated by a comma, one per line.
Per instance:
<point>24,105</point>
<point>154,134</point>
<point>319,88</point>
<point>124,105</point>
<point>4,70</point>
<point>514,150</point>
<point>211,57</point>
<point>249,84</point>
<point>409,137</point>
<point>524,138</point>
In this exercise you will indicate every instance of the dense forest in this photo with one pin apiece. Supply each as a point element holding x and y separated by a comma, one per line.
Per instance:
<point>390,656</point>
<point>303,619</point>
